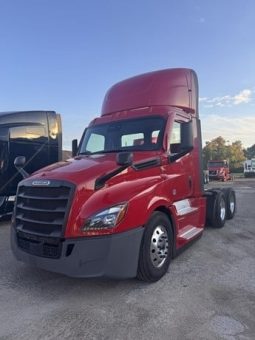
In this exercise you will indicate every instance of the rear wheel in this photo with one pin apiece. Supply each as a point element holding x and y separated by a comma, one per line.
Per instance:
<point>230,197</point>
<point>156,248</point>
<point>218,213</point>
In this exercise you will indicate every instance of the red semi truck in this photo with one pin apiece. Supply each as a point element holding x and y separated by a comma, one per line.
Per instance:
<point>218,170</point>
<point>133,196</point>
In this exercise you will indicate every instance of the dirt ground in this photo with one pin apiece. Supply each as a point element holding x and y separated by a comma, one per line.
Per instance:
<point>208,292</point>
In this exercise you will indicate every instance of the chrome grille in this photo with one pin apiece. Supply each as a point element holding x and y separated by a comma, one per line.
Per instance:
<point>42,210</point>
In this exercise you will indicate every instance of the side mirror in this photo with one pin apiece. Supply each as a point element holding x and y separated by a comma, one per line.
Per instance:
<point>74,147</point>
<point>186,144</point>
<point>124,159</point>
<point>19,163</point>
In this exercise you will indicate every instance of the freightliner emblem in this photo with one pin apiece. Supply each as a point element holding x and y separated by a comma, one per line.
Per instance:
<point>41,183</point>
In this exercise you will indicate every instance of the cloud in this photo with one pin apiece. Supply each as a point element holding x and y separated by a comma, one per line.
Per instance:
<point>244,96</point>
<point>229,128</point>
<point>203,99</point>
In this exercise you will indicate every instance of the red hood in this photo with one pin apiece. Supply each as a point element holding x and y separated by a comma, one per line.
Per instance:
<point>79,169</point>
<point>129,186</point>
<point>86,169</point>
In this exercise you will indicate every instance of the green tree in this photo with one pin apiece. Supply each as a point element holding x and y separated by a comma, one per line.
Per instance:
<point>250,152</point>
<point>217,149</point>
<point>236,156</point>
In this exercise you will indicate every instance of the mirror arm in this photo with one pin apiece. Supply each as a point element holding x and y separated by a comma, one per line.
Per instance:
<point>19,163</point>
<point>23,172</point>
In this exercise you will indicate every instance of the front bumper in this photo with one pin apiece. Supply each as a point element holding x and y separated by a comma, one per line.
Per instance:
<point>113,256</point>
<point>216,177</point>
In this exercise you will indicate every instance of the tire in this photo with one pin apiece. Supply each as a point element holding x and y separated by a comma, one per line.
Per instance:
<point>230,198</point>
<point>156,249</point>
<point>206,178</point>
<point>218,214</point>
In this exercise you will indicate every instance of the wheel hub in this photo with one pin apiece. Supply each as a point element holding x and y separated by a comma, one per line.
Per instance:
<point>232,204</point>
<point>159,246</point>
<point>222,209</point>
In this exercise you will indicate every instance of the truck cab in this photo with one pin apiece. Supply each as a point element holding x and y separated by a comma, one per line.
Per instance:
<point>133,196</point>
<point>37,135</point>
<point>218,170</point>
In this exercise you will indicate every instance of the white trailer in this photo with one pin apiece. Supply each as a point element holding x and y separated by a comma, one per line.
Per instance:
<point>249,168</point>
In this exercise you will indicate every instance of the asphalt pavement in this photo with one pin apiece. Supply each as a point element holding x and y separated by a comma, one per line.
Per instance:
<point>208,292</point>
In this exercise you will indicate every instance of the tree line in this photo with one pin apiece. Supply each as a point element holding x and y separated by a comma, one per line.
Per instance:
<point>234,153</point>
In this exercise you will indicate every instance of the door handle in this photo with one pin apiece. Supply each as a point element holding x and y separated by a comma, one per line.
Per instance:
<point>190,182</point>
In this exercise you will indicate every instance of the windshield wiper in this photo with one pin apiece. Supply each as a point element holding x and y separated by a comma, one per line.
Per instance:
<point>101,152</point>
<point>111,151</point>
<point>85,153</point>
<point>114,151</point>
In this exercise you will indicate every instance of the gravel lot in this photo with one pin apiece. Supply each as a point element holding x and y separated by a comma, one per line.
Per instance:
<point>208,293</point>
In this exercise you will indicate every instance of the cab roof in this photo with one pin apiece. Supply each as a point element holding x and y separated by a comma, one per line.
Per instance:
<point>176,87</point>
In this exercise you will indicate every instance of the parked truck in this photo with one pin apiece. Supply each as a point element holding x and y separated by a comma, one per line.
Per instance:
<point>218,170</point>
<point>37,135</point>
<point>133,196</point>
<point>249,168</point>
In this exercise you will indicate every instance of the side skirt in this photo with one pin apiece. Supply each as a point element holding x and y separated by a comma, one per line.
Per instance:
<point>179,251</point>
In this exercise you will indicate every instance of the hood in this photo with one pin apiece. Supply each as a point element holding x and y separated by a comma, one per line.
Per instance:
<point>132,186</point>
<point>86,169</point>
<point>79,169</point>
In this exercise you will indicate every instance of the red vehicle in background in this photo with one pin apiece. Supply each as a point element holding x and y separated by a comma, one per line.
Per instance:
<point>218,170</point>
<point>133,196</point>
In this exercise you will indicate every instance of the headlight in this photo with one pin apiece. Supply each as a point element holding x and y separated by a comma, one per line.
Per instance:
<point>106,219</point>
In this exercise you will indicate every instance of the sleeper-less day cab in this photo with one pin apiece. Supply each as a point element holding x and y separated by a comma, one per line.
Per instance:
<point>133,196</point>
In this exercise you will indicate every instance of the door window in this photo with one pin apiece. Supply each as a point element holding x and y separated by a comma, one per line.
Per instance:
<point>175,138</point>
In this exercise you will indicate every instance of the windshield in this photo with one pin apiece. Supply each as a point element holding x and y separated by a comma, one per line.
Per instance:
<point>216,164</point>
<point>126,135</point>
<point>4,134</point>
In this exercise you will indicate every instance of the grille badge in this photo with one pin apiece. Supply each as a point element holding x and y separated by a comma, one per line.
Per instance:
<point>41,183</point>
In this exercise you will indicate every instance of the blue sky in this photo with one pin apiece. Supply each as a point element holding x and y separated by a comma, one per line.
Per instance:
<point>63,55</point>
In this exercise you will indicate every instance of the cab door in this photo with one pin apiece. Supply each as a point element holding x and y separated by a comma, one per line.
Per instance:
<point>180,165</point>
<point>183,179</point>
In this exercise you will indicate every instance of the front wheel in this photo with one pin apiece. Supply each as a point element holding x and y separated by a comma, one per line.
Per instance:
<point>156,248</point>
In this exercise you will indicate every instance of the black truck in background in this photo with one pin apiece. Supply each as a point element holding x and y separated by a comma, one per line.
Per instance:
<point>37,135</point>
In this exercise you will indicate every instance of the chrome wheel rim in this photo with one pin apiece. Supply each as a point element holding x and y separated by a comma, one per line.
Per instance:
<point>222,209</point>
<point>232,204</point>
<point>159,246</point>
